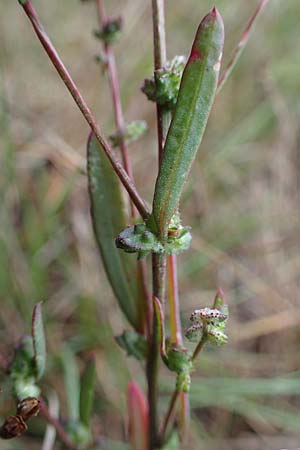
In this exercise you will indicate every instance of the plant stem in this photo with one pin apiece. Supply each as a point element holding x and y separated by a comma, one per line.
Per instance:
<point>57,425</point>
<point>71,86</point>
<point>241,45</point>
<point>199,347</point>
<point>173,402</point>
<point>159,262</point>
<point>146,310</point>
<point>170,415</point>
<point>159,275</point>
<point>176,337</point>
<point>160,59</point>
<point>174,305</point>
<point>115,90</point>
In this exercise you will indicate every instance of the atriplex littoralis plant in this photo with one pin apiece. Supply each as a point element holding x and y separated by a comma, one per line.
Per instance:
<point>184,92</point>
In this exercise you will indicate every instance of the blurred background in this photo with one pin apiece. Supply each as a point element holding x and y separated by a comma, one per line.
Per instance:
<point>242,201</point>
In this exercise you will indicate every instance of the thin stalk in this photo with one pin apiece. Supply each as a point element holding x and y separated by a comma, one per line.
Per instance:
<point>174,305</point>
<point>241,45</point>
<point>173,402</point>
<point>176,338</point>
<point>159,275</point>
<point>146,310</point>
<point>159,262</point>
<point>160,59</point>
<point>199,347</point>
<point>115,90</point>
<point>57,425</point>
<point>82,105</point>
<point>169,418</point>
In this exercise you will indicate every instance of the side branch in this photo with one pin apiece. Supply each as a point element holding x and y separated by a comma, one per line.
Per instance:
<point>241,45</point>
<point>71,86</point>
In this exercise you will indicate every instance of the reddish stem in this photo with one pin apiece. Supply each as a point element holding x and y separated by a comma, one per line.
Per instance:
<point>160,59</point>
<point>71,86</point>
<point>241,45</point>
<point>57,425</point>
<point>115,90</point>
<point>146,310</point>
<point>176,338</point>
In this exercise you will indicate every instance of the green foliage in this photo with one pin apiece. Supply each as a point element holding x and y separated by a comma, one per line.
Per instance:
<point>108,215</point>
<point>29,362</point>
<point>133,131</point>
<point>164,88</point>
<point>195,98</point>
<point>134,344</point>
<point>72,383</point>
<point>39,341</point>
<point>80,396</point>
<point>179,360</point>
<point>139,239</point>
<point>87,392</point>
<point>111,31</point>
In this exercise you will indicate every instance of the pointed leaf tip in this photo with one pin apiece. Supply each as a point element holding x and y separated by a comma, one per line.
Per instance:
<point>220,292</point>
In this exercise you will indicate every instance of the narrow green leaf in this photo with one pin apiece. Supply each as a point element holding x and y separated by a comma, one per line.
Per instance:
<point>159,327</point>
<point>88,381</point>
<point>195,99</point>
<point>108,215</point>
<point>39,341</point>
<point>72,383</point>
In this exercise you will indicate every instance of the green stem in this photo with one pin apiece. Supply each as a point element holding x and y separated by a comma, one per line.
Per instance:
<point>82,105</point>
<point>199,347</point>
<point>173,402</point>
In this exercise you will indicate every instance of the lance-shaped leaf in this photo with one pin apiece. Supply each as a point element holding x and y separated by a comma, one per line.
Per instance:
<point>138,415</point>
<point>195,99</point>
<point>108,215</point>
<point>160,327</point>
<point>72,382</point>
<point>39,342</point>
<point>87,392</point>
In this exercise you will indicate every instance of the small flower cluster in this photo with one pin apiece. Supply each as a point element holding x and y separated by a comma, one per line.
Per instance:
<point>165,87</point>
<point>133,132</point>
<point>210,324</point>
<point>111,31</point>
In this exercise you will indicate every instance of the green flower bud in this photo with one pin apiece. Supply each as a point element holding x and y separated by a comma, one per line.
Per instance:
<point>165,87</point>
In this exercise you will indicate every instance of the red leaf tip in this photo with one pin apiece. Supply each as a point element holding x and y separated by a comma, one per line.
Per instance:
<point>220,292</point>
<point>214,11</point>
